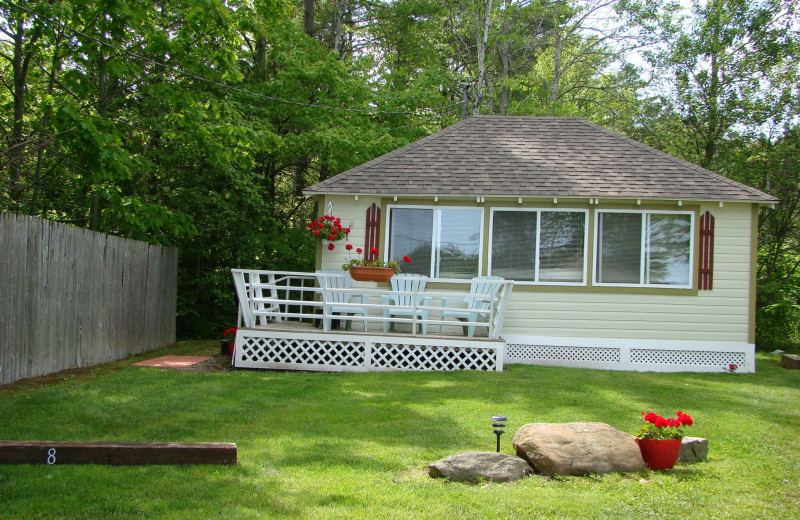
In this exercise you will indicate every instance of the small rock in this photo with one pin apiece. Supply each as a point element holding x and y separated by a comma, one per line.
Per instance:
<point>779,351</point>
<point>577,448</point>
<point>693,449</point>
<point>474,466</point>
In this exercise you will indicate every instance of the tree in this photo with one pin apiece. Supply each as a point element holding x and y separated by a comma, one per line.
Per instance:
<point>727,68</point>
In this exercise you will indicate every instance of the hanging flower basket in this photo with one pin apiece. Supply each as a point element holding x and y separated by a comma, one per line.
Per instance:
<point>328,227</point>
<point>371,274</point>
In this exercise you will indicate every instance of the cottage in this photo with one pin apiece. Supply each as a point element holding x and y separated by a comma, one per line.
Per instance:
<point>622,256</point>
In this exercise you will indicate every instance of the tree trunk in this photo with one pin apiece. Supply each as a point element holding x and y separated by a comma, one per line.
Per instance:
<point>260,59</point>
<point>482,40</point>
<point>338,27</point>
<point>102,105</point>
<point>505,59</point>
<point>558,46</point>
<point>20,65</point>
<point>308,17</point>
<point>710,146</point>
<point>51,83</point>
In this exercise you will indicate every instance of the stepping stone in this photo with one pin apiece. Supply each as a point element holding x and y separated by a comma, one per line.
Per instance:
<point>173,361</point>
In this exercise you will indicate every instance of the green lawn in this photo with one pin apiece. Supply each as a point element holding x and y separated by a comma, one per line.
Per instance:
<point>314,445</point>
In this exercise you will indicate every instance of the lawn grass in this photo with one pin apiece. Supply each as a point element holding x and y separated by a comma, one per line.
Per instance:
<point>316,445</point>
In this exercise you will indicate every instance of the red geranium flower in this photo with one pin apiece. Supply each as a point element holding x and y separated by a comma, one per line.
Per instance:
<point>359,250</point>
<point>650,417</point>
<point>327,227</point>
<point>407,259</point>
<point>331,247</point>
<point>349,247</point>
<point>658,427</point>
<point>374,251</point>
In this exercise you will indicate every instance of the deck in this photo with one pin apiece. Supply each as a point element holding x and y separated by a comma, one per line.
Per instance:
<point>281,327</point>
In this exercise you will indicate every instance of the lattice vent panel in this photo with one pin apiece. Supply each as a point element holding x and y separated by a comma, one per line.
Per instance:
<point>687,357</point>
<point>305,352</point>
<point>528,353</point>
<point>399,356</point>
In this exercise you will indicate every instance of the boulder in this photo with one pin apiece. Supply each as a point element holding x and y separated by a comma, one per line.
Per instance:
<point>577,448</point>
<point>693,449</point>
<point>474,466</point>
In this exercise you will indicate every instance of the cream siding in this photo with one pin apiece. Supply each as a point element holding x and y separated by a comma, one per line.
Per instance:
<point>719,315</point>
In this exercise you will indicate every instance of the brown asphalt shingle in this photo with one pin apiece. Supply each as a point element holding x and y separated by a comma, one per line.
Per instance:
<point>535,156</point>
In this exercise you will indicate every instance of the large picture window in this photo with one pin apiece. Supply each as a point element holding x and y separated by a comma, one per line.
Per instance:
<point>442,242</point>
<point>644,248</point>
<point>539,246</point>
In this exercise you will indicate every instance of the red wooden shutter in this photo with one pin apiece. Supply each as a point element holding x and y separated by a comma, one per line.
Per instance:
<point>706,251</point>
<point>373,230</point>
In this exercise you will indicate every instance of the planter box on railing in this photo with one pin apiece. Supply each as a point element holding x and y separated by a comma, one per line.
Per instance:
<point>371,274</point>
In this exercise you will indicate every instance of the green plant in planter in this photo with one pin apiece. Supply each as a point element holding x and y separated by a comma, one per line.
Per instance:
<point>659,428</point>
<point>363,262</point>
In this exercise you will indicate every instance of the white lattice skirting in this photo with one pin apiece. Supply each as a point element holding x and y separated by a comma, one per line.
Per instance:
<point>257,348</point>
<point>633,355</point>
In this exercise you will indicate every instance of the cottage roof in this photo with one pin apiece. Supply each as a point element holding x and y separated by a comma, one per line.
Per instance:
<point>535,157</point>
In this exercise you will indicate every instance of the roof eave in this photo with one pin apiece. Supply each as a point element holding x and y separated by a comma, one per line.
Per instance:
<point>760,202</point>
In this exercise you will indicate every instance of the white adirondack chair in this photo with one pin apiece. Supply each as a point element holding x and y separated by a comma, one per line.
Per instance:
<point>477,305</point>
<point>404,301</point>
<point>332,283</point>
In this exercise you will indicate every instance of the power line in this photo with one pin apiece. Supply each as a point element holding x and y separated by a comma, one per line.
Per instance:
<point>222,85</point>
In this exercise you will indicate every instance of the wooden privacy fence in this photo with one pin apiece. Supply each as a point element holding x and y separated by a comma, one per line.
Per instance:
<point>74,298</point>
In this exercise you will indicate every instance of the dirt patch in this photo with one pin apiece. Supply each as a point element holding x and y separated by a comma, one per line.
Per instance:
<point>215,364</point>
<point>69,376</point>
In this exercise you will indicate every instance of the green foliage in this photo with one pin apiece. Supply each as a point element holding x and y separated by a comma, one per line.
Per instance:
<point>778,304</point>
<point>197,123</point>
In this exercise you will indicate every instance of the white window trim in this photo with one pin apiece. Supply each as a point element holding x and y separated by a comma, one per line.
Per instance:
<point>644,259</point>
<point>536,251</point>
<point>435,232</point>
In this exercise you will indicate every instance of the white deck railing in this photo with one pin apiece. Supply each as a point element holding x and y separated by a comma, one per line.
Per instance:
<point>275,296</point>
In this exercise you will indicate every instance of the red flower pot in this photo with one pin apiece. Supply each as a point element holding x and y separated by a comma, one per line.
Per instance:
<point>660,454</point>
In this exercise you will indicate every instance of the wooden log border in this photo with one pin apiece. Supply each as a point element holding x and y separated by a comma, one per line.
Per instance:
<point>117,453</point>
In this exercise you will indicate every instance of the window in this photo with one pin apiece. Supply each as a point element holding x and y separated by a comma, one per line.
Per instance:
<point>644,248</point>
<point>539,246</point>
<point>442,242</point>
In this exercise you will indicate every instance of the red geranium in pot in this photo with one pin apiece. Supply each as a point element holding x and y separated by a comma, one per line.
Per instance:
<point>228,341</point>
<point>660,439</point>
